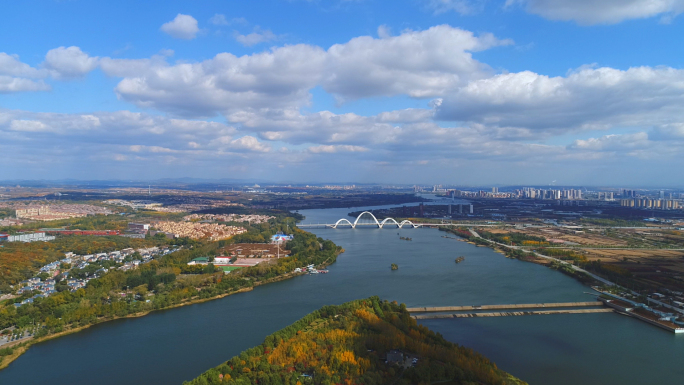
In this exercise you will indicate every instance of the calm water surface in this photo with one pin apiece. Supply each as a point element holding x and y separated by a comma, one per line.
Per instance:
<point>171,346</point>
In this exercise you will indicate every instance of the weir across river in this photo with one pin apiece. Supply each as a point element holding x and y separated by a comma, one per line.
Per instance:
<point>513,310</point>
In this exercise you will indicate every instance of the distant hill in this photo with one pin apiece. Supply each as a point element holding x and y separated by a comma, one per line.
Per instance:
<point>366,342</point>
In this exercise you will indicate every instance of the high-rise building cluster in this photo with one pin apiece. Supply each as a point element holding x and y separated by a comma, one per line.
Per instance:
<point>533,193</point>
<point>606,196</point>
<point>648,203</point>
<point>627,198</point>
<point>478,194</point>
<point>524,193</point>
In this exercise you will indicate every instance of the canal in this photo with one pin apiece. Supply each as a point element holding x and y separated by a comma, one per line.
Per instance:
<point>171,346</point>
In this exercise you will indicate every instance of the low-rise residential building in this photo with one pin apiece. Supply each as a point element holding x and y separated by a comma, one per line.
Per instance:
<point>211,231</point>
<point>199,261</point>
<point>47,287</point>
<point>30,237</point>
<point>222,260</point>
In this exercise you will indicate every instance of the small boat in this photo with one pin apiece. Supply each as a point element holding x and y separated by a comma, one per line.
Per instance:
<point>460,259</point>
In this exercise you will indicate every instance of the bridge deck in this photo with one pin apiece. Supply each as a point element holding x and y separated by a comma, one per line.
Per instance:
<point>503,307</point>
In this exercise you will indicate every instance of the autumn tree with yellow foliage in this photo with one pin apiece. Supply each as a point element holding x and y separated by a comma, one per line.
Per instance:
<point>348,344</point>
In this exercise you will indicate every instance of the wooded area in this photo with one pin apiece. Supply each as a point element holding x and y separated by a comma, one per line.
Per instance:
<point>351,344</point>
<point>158,284</point>
<point>20,261</point>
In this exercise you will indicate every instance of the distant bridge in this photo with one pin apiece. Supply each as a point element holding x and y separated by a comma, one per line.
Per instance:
<point>374,223</point>
<point>345,223</point>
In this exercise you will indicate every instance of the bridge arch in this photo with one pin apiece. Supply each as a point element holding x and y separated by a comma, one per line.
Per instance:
<point>343,220</point>
<point>389,220</point>
<point>378,223</point>
<point>372,216</point>
<point>407,222</point>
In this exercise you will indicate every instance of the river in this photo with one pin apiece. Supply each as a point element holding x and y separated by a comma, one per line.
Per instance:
<point>171,346</point>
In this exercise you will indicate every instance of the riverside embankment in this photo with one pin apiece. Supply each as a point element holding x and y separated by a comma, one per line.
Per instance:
<point>20,347</point>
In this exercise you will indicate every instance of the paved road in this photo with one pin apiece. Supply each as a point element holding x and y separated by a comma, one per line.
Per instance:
<point>600,279</point>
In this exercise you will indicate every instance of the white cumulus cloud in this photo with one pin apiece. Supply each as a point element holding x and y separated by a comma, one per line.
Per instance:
<point>277,78</point>
<point>589,98</point>
<point>420,64</point>
<point>28,126</point>
<point>613,142</point>
<point>330,149</point>
<point>588,12</point>
<point>9,84</point>
<point>69,62</point>
<point>256,37</point>
<point>416,63</point>
<point>248,143</point>
<point>16,76</point>
<point>181,27</point>
<point>11,65</point>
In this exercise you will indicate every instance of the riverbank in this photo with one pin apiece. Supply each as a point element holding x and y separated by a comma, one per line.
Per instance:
<point>583,276</point>
<point>473,238</point>
<point>20,347</point>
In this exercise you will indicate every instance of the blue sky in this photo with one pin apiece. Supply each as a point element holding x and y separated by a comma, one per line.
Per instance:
<point>407,91</point>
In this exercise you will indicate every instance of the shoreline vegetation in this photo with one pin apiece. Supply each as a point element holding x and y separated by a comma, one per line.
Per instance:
<point>565,268</point>
<point>367,341</point>
<point>104,299</point>
<point>80,309</point>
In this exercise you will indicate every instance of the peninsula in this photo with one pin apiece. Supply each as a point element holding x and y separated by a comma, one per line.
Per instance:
<point>366,341</point>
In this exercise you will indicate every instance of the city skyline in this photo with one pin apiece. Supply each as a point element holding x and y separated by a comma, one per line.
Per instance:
<point>434,91</point>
